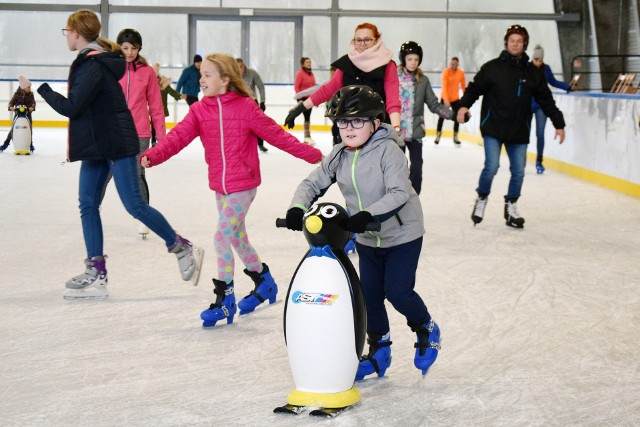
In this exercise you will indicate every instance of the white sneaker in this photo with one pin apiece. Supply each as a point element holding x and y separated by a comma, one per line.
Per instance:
<point>143,231</point>
<point>309,140</point>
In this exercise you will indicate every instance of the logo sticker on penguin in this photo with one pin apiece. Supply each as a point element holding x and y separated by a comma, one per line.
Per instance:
<point>313,298</point>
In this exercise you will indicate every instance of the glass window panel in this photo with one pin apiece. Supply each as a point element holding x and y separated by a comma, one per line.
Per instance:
<point>404,5</point>
<point>429,33</point>
<point>177,3</point>
<point>477,41</point>
<point>164,38</point>
<point>43,45</point>
<point>83,2</point>
<point>218,36</point>
<point>316,44</point>
<point>278,4</point>
<point>501,6</point>
<point>271,50</point>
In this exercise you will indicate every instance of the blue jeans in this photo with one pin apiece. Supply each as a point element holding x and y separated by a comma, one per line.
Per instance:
<point>541,121</point>
<point>517,159</point>
<point>93,177</point>
<point>390,273</point>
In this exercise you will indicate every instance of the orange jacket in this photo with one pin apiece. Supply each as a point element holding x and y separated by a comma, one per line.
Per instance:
<point>451,81</point>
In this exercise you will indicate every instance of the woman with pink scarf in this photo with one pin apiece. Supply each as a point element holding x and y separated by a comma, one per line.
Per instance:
<point>367,63</point>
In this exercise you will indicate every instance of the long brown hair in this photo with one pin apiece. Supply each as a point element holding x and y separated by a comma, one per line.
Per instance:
<point>86,23</point>
<point>228,67</point>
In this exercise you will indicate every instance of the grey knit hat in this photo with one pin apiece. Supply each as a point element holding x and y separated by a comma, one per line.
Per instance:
<point>538,52</point>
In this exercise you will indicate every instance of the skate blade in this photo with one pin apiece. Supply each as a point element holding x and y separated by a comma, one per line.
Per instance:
<point>198,255</point>
<point>81,294</point>
<point>261,307</point>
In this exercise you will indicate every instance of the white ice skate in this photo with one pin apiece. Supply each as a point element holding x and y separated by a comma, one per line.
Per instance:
<point>143,231</point>
<point>92,284</point>
<point>189,259</point>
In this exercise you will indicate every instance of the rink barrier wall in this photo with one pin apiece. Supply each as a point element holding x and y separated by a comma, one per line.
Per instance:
<point>601,146</point>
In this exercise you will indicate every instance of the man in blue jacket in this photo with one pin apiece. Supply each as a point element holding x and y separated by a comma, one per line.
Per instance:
<point>189,82</point>
<point>508,84</point>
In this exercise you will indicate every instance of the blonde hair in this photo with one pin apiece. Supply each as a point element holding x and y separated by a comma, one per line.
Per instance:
<point>87,24</point>
<point>228,67</point>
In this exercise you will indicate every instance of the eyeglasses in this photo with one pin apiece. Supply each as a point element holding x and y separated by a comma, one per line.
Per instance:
<point>364,41</point>
<point>355,123</point>
<point>65,31</point>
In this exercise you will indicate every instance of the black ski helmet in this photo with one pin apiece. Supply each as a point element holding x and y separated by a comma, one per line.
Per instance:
<point>131,36</point>
<point>410,47</point>
<point>356,101</point>
<point>517,29</point>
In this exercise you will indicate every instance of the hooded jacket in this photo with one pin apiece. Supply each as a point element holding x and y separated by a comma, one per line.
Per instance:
<point>142,93</point>
<point>229,126</point>
<point>422,94</point>
<point>375,178</point>
<point>508,84</point>
<point>100,123</point>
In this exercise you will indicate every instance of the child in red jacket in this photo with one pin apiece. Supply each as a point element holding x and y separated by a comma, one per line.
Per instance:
<point>229,123</point>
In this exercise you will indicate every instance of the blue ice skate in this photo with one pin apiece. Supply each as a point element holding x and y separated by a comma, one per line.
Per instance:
<point>427,346</point>
<point>265,289</point>
<point>539,168</point>
<point>350,247</point>
<point>378,359</point>
<point>223,308</point>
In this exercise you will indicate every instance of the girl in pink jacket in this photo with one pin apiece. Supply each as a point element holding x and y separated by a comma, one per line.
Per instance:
<point>229,123</point>
<point>142,93</point>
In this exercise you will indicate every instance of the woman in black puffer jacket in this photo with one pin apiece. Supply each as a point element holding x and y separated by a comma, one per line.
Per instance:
<point>103,136</point>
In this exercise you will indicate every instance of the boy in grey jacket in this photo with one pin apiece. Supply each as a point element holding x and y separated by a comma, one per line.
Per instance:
<point>372,174</point>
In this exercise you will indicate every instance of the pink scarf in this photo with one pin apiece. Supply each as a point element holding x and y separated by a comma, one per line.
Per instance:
<point>376,56</point>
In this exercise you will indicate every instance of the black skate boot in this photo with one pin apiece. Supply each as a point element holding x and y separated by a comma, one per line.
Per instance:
<point>478,209</point>
<point>437,140</point>
<point>512,216</point>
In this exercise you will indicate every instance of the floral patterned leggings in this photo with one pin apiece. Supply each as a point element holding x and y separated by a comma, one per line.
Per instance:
<point>231,232</point>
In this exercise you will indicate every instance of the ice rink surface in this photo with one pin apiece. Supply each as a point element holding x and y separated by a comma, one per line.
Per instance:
<point>540,326</point>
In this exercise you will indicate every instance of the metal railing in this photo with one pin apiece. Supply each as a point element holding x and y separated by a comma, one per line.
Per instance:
<point>598,73</point>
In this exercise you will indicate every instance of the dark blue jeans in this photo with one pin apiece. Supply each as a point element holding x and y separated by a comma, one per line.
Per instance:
<point>93,176</point>
<point>415,163</point>
<point>517,160</point>
<point>541,121</point>
<point>390,273</point>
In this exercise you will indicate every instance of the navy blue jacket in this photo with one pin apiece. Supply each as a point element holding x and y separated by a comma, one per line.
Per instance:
<point>189,81</point>
<point>508,84</point>
<point>100,123</point>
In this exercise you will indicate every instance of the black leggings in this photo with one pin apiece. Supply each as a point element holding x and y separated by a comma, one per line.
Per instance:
<point>456,125</point>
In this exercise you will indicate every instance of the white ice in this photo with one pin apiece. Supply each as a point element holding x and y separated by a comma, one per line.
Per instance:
<point>540,326</point>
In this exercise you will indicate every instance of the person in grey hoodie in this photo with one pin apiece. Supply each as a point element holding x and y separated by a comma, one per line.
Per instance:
<point>372,174</point>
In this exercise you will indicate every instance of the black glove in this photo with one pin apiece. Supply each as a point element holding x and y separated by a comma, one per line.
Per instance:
<point>294,219</point>
<point>357,223</point>
<point>262,106</point>
<point>290,121</point>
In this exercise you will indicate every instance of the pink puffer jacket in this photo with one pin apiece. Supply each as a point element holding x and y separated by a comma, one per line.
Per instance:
<point>229,126</point>
<point>142,92</point>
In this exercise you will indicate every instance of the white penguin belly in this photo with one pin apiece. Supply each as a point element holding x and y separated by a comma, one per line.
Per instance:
<point>21,134</point>
<point>320,328</point>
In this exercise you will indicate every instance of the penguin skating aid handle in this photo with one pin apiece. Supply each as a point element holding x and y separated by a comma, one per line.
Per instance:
<point>371,226</point>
